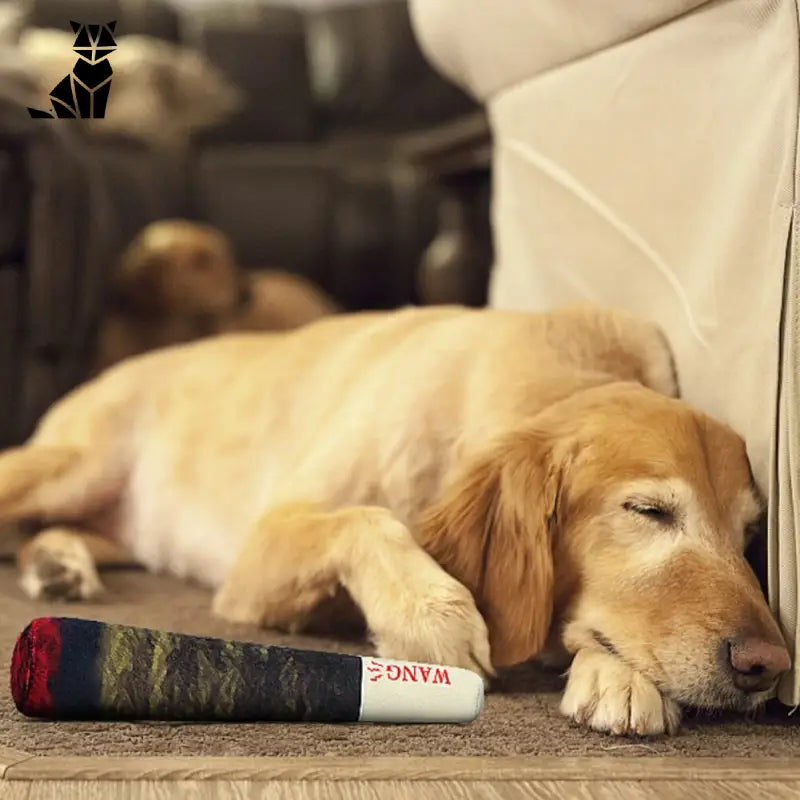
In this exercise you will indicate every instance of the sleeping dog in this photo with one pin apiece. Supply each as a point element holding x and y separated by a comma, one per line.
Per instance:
<point>178,281</point>
<point>483,487</point>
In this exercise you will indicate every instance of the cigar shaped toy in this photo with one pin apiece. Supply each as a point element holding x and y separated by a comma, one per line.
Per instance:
<point>65,668</point>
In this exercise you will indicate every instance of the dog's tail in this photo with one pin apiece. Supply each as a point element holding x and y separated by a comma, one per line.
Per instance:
<point>38,114</point>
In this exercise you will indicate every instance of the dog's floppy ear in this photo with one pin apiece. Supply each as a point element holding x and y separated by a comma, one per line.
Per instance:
<point>136,286</point>
<point>491,530</point>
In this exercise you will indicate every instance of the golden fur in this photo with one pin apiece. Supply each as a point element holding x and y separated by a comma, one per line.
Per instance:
<point>485,487</point>
<point>179,281</point>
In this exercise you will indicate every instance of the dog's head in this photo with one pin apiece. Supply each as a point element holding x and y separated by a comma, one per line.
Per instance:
<point>618,518</point>
<point>178,268</point>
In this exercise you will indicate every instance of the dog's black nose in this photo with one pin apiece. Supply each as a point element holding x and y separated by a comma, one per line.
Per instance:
<point>755,663</point>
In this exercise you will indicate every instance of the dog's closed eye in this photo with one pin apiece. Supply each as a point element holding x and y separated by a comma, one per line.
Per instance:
<point>654,511</point>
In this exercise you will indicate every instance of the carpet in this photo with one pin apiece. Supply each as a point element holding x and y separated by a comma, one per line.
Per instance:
<point>520,718</point>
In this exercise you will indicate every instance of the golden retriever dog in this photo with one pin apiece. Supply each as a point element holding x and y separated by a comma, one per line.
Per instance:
<point>179,281</point>
<point>485,487</point>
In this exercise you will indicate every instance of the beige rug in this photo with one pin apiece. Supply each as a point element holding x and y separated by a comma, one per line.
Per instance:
<point>521,719</point>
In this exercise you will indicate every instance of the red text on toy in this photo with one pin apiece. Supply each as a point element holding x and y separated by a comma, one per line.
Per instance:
<point>409,673</point>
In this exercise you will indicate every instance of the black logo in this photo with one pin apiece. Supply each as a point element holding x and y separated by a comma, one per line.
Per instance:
<point>83,93</point>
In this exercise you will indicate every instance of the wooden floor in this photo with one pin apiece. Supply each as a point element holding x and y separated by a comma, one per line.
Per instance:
<point>27,777</point>
<point>396,790</point>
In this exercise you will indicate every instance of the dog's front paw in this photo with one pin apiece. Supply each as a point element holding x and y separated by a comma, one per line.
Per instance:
<point>606,695</point>
<point>60,568</point>
<point>440,625</point>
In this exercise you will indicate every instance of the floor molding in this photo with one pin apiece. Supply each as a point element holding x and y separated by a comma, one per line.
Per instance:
<point>9,758</point>
<point>19,766</point>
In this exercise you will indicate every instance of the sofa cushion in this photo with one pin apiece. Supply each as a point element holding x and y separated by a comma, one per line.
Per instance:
<point>13,201</point>
<point>345,215</point>
<point>368,71</point>
<point>262,50</point>
<point>274,203</point>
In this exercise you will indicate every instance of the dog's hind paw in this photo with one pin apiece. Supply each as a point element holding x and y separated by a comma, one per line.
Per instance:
<point>59,568</point>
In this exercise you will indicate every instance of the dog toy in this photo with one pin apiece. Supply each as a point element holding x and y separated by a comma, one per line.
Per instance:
<point>65,668</point>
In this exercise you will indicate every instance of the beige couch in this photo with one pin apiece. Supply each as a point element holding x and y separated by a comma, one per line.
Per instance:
<point>645,157</point>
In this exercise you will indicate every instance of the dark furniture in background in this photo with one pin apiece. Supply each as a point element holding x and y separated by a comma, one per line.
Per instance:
<point>321,173</point>
<point>456,157</point>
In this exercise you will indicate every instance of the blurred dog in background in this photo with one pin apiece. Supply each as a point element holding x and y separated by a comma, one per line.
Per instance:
<point>179,281</point>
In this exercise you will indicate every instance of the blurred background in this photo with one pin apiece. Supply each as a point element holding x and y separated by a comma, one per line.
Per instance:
<point>348,161</point>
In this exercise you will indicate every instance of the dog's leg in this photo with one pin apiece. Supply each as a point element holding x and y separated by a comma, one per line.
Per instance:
<point>50,482</point>
<point>297,556</point>
<point>61,563</point>
<point>607,695</point>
